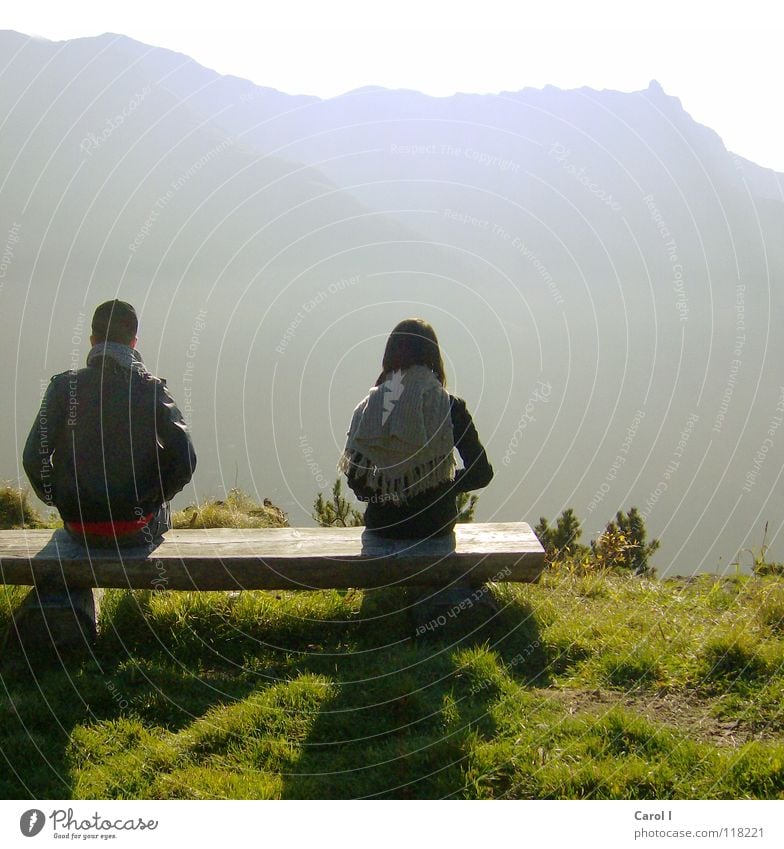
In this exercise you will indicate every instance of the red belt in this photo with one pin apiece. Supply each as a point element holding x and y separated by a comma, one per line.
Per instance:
<point>119,527</point>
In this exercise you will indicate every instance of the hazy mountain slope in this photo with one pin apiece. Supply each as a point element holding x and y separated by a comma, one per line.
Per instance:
<point>601,244</point>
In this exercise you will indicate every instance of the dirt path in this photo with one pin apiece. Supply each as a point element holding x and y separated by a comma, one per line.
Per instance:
<point>682,711</point>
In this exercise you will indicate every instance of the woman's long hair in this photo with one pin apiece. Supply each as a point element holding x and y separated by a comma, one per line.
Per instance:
<point>413,342</point>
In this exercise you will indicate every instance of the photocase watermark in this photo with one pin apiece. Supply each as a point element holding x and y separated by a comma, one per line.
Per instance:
<point>158,523</point>
<point>740,320</point>
<point>92,142</point>
<point>480,157</point>
<point>44,450</point>
<point>315,469</point>
<point>539,266</point>
<point>249,96</point>
<point>519,658</point>
<point>736,363</point>
<point>466,604</point>
<point>197,328</point>
<point>619,462</point>
<point>681,301</point>
<point>540,395</point>
<point>8,252</point>
<point>308,306</point>
<point>562,154</point>
<point>762,452</point>
<point>672,466</point>
<point>75,826</point>
<point>467,218</point>
<point>161,581</point>
<point>165,199</point>
<point>77,332</point>
<point>516,242</point>
<point>724,406</point>
<point>32,822</point>
<point>118,698</point>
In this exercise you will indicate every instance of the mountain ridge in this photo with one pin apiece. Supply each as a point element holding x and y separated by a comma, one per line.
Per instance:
<point>601,243</point>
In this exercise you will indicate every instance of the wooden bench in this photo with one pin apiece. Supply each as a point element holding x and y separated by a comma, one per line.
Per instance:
<point>64,574</point>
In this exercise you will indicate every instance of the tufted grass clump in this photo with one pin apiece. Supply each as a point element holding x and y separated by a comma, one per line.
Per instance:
<point>237,510</point>
<point>17,512</point>
<point>734,656</point>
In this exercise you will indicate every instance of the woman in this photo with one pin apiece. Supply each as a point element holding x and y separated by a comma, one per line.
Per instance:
<point>399,452</point>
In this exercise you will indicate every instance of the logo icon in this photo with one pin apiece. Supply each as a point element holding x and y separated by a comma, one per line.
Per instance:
<point>31,822</point>
<point>393,389</point>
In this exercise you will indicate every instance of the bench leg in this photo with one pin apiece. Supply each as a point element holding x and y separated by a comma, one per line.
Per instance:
<point>63,619</point>
<point>437,608</point>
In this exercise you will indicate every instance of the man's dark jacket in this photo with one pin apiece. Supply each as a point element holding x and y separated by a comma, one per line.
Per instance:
<point>108,444</point>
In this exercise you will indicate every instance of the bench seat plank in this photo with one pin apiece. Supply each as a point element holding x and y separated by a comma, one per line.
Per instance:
<point>275,558</point>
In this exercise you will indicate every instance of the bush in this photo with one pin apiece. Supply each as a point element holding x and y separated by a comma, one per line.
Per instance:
<point>337,512</point>
<point>466,507</point>
<point>622,545</point>
<point>561,542</point>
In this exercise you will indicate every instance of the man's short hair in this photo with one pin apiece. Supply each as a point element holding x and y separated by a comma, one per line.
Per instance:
<point>115,321</point>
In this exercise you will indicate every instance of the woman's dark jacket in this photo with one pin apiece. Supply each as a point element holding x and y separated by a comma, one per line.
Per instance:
<point>108,444</point>
<point>434,512</point>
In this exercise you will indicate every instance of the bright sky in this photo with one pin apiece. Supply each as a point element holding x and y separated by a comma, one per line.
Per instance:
<point>723,60</point>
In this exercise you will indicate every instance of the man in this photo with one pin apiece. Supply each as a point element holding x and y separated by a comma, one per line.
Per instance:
<point>109,448</point>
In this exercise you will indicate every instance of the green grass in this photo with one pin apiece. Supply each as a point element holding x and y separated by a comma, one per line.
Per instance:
<point>602,686</point>
<point>16,511</point>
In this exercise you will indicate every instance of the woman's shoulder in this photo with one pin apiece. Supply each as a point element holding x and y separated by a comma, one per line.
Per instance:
<point>458,408</point>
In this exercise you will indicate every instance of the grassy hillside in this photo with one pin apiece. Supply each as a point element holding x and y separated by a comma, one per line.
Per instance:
<point>602,686</point>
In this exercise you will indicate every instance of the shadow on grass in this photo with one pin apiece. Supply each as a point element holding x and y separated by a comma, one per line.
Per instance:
<point>310,695</point>
<point>406,708</point>
<point>44,694</point>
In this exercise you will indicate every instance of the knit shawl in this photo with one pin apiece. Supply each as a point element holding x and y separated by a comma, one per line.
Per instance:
<point>401,436</point>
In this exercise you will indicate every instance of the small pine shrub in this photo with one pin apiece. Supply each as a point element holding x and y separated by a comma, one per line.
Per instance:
<point>337,512</point>
<point>466,507</point>
<point>623,544</point>
<point>561,543</point>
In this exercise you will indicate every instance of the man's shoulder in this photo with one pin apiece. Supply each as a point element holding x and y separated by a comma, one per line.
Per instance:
<point>97,372</point>
<point>159,382</point>
<point>149,385</point>
<point>63,378</point>
<point>155,386</point>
